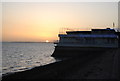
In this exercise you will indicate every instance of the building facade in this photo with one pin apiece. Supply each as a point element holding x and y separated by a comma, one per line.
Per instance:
<point>94,38</point>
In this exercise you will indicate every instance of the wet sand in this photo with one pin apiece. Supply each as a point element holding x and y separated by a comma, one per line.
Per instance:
<point>95,66</point>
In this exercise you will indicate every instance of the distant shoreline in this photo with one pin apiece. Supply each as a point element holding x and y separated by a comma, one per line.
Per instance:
<point>26,42</point>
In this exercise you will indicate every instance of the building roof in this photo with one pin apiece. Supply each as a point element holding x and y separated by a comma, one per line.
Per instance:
<point>107,29</point>
<point>78,32</point>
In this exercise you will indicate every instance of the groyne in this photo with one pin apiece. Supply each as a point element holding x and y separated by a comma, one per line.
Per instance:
<point>103,65</point>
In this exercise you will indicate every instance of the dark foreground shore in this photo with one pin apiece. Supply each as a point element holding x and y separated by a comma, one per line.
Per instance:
<point>103,65</point>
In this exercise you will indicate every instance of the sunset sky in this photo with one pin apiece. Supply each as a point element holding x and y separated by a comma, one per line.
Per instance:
<point>41,21</point>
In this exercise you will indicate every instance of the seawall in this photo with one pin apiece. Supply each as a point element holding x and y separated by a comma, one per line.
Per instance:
<point>62,52</point>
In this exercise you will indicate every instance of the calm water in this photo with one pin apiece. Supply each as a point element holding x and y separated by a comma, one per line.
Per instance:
<point>22,56</point>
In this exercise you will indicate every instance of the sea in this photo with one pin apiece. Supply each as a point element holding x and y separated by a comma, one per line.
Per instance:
<point>18,57</point>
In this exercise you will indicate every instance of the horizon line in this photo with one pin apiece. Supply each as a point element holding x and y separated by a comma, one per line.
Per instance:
<point>23,42</point>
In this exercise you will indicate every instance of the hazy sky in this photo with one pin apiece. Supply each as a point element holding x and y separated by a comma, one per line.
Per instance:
<point>42,21</point>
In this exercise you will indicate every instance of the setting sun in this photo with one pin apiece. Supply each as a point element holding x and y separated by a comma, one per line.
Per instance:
<point>46,41</point>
